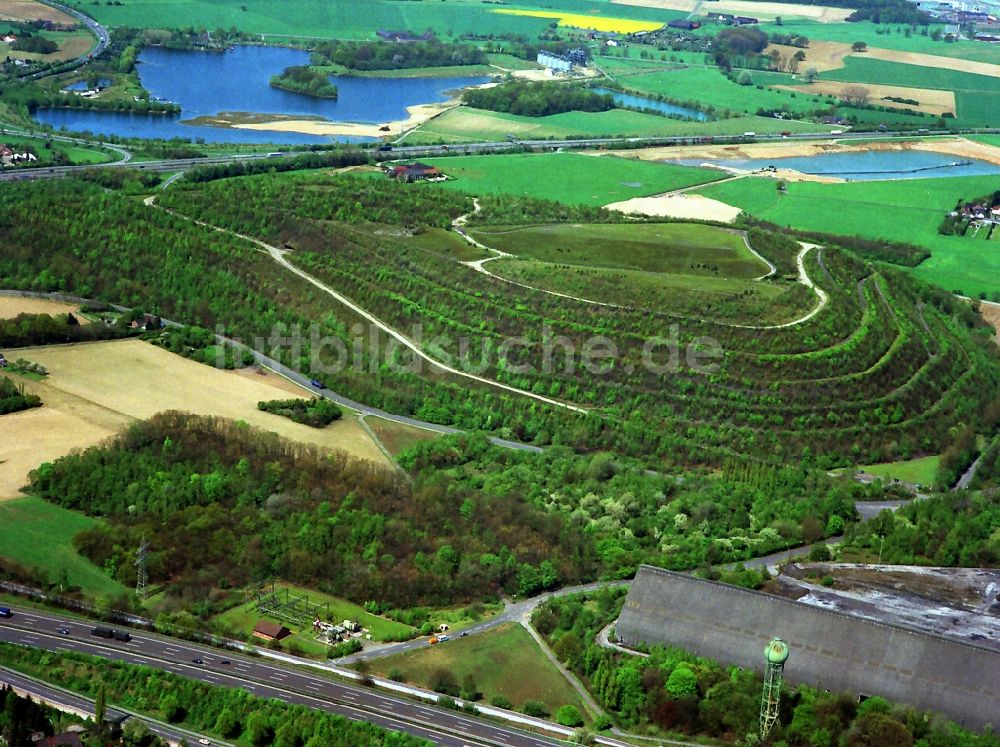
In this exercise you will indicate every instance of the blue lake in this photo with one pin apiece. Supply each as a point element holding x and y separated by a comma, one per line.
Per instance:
<point>641,102</point>
<point>867,165</point>
<point>208,83</point>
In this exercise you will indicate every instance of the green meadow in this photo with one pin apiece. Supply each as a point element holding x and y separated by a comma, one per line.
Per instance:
<point>905,210</point>
<point>465,125</point>
<point>654,247</point>
<point>38,534</point>
<point>504,662</point>
<point>918,471</point>
<point>549,176</point>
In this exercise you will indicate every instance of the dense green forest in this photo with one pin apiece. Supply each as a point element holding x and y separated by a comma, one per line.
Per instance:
<point>673,692</point>
<point>890,368</point>
<point>393,56</point>
<point>306,80</point>
<point>225,713</point>
<point>317,412</point>
<point>636,517</point>
<point>13,398</point>
<point>223,505</point>
<point>954,529</point>
<point>537,99</point>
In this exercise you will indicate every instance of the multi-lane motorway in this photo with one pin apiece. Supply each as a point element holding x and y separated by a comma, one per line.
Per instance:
<point>268,679</point>
<point>413,151</point>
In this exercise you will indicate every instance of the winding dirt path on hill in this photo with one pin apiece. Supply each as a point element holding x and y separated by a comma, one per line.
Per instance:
<point>477,264</point>
<point>278,255</point>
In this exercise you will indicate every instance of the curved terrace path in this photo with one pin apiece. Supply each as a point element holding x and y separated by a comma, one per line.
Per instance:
<point>278,255</point>
<point>458,225</point>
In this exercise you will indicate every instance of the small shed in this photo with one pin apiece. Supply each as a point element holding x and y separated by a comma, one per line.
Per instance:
<point>270,631</point>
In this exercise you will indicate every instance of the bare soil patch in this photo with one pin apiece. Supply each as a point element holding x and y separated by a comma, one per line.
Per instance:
<point>11,306</point>
<point>675,205</point>
<point>95,389</point>
<point>829,55</point>
<point>822,13</point>
<point>932,101</point>
<point>991,313</point>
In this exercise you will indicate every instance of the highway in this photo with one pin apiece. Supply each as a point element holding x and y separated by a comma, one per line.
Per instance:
<point>415,151</point>
<point>101,33</point>
<point>68,701</point>
<point>266,679</point>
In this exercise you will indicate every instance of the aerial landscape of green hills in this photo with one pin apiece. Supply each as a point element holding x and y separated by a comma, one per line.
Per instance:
<point>390,373</point>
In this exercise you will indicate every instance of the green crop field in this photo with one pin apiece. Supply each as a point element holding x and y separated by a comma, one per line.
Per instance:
<point>340,18</point>
<point>465,125</point>
<point>918,471</point>
<point>657,248</point>
<point>38,534</point>
<point>504,662</point>
<point>608,179</point>
<point>906,210</point>
<point>975,95</point>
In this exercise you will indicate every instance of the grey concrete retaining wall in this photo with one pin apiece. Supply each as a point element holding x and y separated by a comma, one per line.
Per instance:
<point>829,650</point>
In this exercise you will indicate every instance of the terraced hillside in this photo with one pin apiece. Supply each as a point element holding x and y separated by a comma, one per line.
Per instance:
<point>880,366</point>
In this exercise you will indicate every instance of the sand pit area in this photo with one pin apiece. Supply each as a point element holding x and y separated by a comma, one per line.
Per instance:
<point>419,114</point>
<point>768,11</point>
<point>957,146</point>
<point>672,205</point>
<point>932,101</point>
<point>94,390</point>
<point>11,306</point>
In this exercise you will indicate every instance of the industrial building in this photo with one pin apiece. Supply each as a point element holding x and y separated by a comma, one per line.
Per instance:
<point>828,649</point>
<point>555,62</point>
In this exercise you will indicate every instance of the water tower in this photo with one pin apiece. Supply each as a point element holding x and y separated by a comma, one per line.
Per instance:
<point>775,656</point>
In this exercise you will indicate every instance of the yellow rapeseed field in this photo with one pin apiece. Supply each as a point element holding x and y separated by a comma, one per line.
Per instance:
<point>582,21</point>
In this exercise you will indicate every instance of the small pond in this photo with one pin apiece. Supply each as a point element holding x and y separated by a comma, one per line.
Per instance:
<point>641,102</point>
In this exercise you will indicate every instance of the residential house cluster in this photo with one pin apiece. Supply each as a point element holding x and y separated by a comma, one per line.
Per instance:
<point>979,212</point>
<point>11,157</point>
<point>731,20</point>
